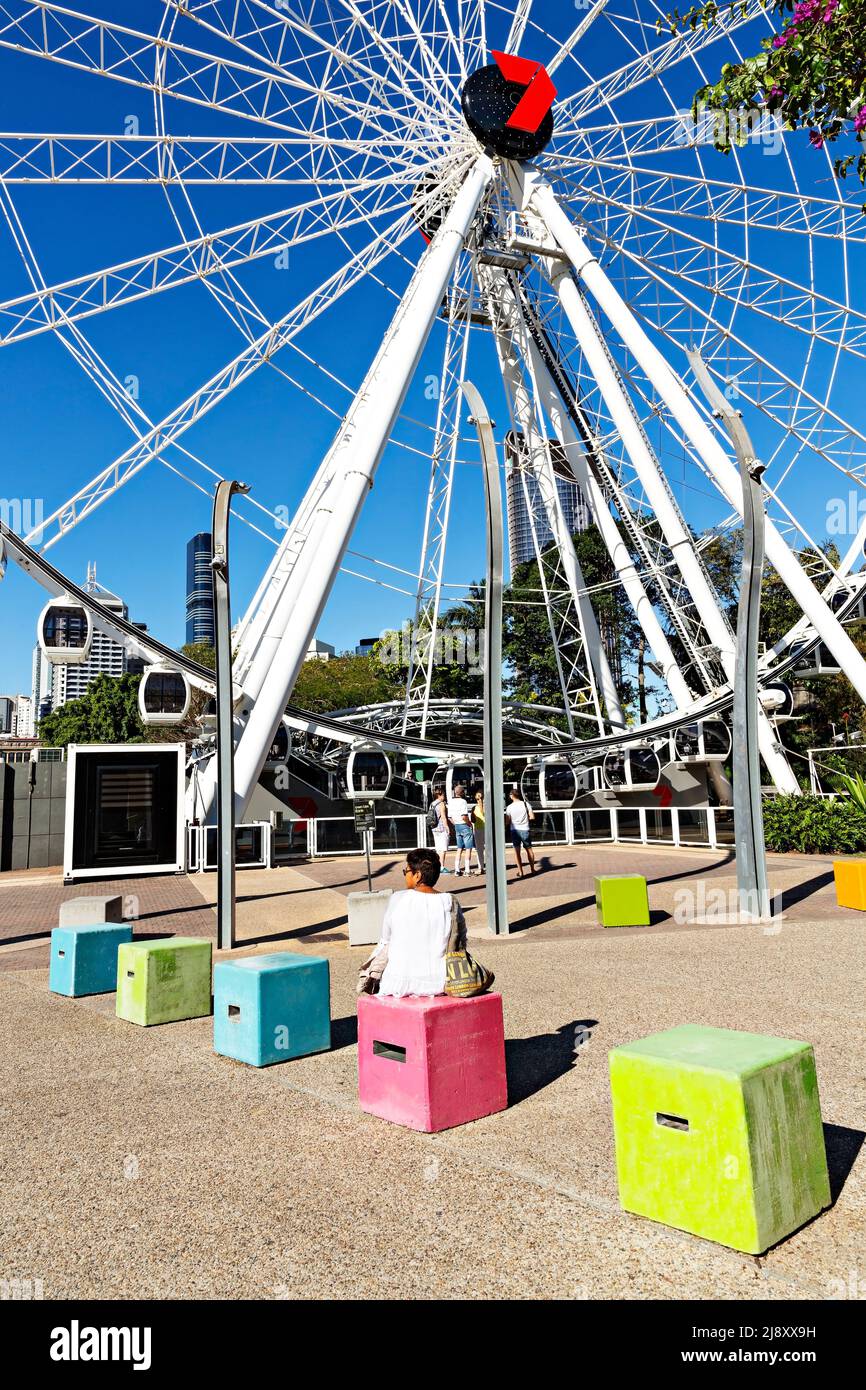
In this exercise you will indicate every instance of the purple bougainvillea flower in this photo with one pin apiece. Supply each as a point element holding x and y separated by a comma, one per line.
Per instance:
<point>779,40</point>
<point>860,120</point>
<point>816,139</point>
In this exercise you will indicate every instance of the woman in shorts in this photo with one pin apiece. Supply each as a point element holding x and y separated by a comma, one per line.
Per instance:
<point>518,814</point>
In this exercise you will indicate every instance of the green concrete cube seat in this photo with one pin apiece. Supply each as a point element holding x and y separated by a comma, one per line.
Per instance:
<point>164,981</point>
<point>621,900</point>
<point>719,1133</point>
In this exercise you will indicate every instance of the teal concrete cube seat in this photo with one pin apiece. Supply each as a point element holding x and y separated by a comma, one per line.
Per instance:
<point>271,1008</point>
<point>84,959</point>
<point>622,900</point>
<point>164,981</point>
<point>719,1133</point>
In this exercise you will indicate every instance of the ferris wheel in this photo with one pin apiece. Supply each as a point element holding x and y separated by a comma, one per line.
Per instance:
<point>513,191</point>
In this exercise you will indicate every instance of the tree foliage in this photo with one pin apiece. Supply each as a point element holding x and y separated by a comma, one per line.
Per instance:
<point>342,682</point>
<point>811,73</point>
<point>106,713</point>
<point>527,644</point>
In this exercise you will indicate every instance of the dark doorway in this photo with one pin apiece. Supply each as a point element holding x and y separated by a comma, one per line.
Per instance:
<point>125,809</point>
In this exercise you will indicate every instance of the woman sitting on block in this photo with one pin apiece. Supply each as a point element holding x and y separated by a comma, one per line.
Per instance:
<point>410,956</point>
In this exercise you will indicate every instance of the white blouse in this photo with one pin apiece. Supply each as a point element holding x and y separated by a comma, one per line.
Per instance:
<point>416,931</point>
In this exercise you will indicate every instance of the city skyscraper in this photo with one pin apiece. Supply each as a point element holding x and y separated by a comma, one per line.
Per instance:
<point>199,589</point>
<point>578,514</point>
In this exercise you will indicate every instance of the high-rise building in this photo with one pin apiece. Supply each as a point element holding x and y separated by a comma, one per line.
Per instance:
<point>24,723</point>
<point>7,716</point>
<point>520,498</point>
<point>199,589</point>
<point>365,646</point>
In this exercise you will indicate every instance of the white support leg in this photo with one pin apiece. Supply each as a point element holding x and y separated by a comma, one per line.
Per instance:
<point>537,212</point>
<point>353,461</point>
<point>539,195</point>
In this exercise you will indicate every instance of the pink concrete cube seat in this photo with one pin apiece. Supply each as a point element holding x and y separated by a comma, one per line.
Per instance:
<point>431,1063</point>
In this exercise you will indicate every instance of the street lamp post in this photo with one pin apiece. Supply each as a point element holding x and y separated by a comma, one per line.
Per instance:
<point>752,883</point>
<point>225,714</point>
<point>494,801</point>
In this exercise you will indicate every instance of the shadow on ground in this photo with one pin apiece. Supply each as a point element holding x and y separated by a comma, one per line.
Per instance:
<point>533,1063</point>
<point>843,1145</point>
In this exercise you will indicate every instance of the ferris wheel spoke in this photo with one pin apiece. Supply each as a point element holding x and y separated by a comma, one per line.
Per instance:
<point>202,401</point>
<point>164,159</point>
<point>725,203</point>
<point>666,55</point>
<point>104,49</point>
<point>522,13</point>
<point>119,285</point>
<point>740,280</point>
<point>785,401</point>
<point>257,29</point>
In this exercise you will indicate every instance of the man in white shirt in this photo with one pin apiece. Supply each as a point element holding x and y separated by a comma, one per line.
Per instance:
<point>519,813</point>
<point>458,814</point>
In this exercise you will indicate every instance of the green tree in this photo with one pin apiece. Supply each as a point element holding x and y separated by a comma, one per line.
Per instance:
<point>106,713</point>
<point>343,682</point>
<point>202,652</point>
<point>458,670</point>
<point>812,73</point>
<point>527,642</point>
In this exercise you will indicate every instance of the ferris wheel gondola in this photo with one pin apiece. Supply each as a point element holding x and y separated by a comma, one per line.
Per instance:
<point>65,632</point>
<point>459,773</point>
<point>636,769</point>
<point>705,741</point>
<point>551,784</point>
<point>163,697</point>
<point>367,773</point>
<point>280,749</point>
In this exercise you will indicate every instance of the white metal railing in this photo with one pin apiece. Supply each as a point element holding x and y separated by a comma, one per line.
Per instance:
<point>329,837</point>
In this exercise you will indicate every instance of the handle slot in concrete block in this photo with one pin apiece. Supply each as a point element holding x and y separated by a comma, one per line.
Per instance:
<point>672,1121</point>
<point>389,1050</point>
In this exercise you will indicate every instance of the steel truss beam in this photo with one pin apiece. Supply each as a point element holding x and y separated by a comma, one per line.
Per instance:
<point>545,219</point>
<point>333,504</point>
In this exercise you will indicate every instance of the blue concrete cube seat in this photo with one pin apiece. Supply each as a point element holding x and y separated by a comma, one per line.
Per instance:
<point>271,1008</point>
<point>84,959</point>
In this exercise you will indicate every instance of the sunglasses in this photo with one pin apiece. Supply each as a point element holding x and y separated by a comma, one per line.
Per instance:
<point>407,870</point>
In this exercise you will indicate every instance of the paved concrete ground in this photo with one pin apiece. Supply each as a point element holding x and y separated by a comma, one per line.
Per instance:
<point>137,1163</point>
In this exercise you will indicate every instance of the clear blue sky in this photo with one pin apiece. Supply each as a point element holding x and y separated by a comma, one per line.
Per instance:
<point>58,431</point>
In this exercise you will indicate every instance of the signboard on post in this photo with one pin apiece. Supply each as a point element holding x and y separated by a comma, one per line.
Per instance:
<point>365,824</point>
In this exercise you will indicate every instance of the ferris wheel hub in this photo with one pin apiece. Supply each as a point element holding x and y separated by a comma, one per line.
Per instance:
<point>508,106</point>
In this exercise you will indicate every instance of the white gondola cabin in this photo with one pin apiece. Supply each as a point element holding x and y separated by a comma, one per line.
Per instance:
<point>65,632</point>
<point>704,741</point>
<point>367,774</point>
<point>778,700</point>
<point>278,753</point>
<point>635,769</point>
<point>467,775</point>
<point>551,784</point>
<point>163,697</point>
<point>819,662</point>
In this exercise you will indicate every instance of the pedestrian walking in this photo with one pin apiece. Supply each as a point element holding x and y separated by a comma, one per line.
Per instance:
<point>458,814</point>
<point>440,825</point>
<point>519,813</point>
<point>478,826</point>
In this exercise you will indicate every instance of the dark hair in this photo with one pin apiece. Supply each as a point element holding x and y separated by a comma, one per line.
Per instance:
<point>427,863</point>
<point>516,792</point>
<point>439,791</point>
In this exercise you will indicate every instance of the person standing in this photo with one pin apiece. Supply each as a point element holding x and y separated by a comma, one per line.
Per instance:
<point>478,824</point>
<point>437,819</point>
<point>458,814</point>
<point>519,813</point>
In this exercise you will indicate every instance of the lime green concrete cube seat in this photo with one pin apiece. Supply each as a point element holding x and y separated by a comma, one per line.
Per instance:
<point>164,981</point>
<point>622,900</point>
<point>719,1133</point>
